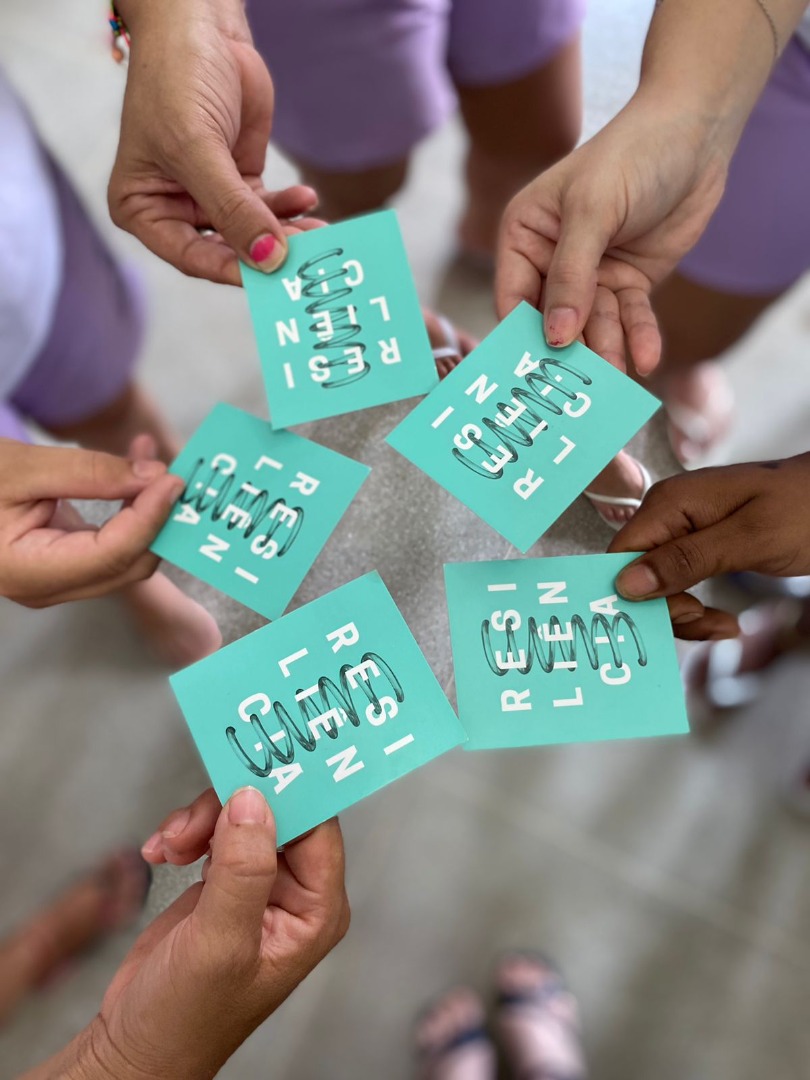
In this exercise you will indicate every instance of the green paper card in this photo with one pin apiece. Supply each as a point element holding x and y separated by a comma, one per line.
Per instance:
<point>258,507</point>
<point>339,326</point>
<point>319,709</point>
<point>518,430</point>
<point>545,652</point>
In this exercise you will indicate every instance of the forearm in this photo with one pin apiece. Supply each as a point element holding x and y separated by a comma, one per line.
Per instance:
<point>710,59</point>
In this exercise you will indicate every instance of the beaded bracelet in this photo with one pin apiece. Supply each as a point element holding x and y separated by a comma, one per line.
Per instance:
<point>120,43</point>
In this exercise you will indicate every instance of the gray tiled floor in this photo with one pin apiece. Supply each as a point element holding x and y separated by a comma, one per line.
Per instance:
<point>666,877</point>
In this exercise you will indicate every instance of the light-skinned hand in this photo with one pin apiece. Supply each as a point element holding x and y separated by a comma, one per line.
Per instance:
<point>588,240</point>
<point>197,115</point>
<point>48,556</point>
<point>213,966</point>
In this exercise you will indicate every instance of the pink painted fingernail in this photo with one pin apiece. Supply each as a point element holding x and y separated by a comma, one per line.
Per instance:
<point>561,325</point>
<point>637,581</point>
<point>262,249</point>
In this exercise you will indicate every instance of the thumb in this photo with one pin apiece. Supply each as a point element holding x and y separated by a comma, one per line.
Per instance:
<point>237,212</point>
<point>45,472</point>
<point>241,874</point>
<point>570,287</point>
<point>679,564</point>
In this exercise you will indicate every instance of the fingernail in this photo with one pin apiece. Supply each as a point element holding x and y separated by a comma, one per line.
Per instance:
<point>175,825</point>
<point>637,581</point>
<point>148,470</point>
<point>247,807</point>
<point>152,846</point>
<point>561,325</point>
<point>687,617</point>
<point>263,250</point>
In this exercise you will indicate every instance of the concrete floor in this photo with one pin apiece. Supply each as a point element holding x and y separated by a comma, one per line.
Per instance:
<point>666,877</point>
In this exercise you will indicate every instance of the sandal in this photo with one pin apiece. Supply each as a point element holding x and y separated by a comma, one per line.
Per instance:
<point>616,500</point>
<point>719,676</point>
<point>470,1036</point>
<point>552,1004</point>
<point>455,344</point>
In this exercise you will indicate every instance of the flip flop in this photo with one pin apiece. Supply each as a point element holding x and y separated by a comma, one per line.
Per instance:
<point>538,998</point>
<point>615,500</point>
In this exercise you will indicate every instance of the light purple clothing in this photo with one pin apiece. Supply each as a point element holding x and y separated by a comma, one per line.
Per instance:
<point>360,82</point>
<point>758,241</point>
<point>95,332</point>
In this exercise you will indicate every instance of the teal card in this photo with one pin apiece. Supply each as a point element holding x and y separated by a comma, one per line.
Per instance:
<point>319,709</point>
<point>518,430</point>
<point>545,652</point>
<point>339,326</point>
<point>257,508</point>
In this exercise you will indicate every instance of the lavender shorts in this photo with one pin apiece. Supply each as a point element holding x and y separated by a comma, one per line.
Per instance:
<point>758,241</point>
<point>95,335</point>
<point>360,82</point>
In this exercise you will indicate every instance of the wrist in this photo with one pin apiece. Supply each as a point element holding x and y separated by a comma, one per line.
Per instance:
<point>162,16</point>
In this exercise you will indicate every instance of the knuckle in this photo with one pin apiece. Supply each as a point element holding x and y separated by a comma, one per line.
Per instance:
<point>231,206</point>
<point>685,560</point>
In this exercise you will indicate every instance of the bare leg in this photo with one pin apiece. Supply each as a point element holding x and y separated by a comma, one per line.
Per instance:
<point>346,194</point>
<point>516,130</point>
<point>107,899</point>
<point>538,1021</point>
<point>451,1042</point>
<point>133,413</point>
<point>698,324</point>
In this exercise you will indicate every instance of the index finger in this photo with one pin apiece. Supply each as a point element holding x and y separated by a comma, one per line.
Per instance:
<point>31,473</point>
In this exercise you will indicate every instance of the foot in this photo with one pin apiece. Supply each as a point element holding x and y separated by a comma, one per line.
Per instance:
<point>623,478</point>
<point>722,675</point>
<point>177,629</point>
<point>700,407</point>
<point>107,899</point>
<point>538,1020</point>
<point>451,1041</point>
<point>450,344</point>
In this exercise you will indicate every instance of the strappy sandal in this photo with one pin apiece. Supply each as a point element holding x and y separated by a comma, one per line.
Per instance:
<point>616,500</point>
<point>537,999</point>
<point>430,1058</point>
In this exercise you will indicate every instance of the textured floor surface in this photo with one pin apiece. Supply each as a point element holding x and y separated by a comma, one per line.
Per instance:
<point>666,877</point>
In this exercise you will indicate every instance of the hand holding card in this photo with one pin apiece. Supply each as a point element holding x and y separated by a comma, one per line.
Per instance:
<point>319,709</point>
<point>257,508</point>
<point>517,431</point>
<point>339,328</point>
<point>545,652</point>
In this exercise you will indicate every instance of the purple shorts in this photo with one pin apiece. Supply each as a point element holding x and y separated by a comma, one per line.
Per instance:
<point>758,241</point>
<point>360,82</point>
<point>95,334</point>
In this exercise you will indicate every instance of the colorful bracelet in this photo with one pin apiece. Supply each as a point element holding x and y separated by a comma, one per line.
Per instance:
<point>120,43</point>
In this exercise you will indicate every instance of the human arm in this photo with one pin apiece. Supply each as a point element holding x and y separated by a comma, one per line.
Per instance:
<point>622,210</point>
<point>213,966</point>
<point>197,115</point>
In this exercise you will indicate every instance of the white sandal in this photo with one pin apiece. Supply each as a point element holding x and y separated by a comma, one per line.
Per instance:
<point>618,500</point>
<point>452,349</point>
